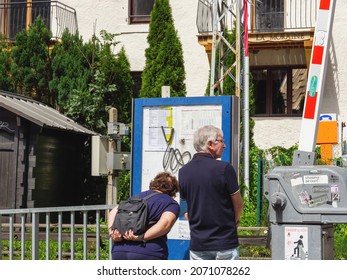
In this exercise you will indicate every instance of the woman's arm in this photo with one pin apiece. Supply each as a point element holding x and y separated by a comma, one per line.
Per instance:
<point>115,234</point>
<point>110,218</point>
<point>162,227</point>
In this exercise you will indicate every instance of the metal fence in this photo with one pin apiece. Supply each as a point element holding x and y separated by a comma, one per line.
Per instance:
<point>78,232</point>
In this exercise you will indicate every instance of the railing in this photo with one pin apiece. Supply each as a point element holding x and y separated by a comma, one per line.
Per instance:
<point>274,15</point>
<point>270,15</point>
<point>204,16</point>
<point>77,232</point>
<point>14,17</point>
<point>37,228</point>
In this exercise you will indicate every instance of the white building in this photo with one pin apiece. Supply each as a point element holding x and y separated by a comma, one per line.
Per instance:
<point>281,34</point>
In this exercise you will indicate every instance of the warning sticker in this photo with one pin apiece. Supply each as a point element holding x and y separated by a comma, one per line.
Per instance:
<point>296,243</point>
<point>315,179</point>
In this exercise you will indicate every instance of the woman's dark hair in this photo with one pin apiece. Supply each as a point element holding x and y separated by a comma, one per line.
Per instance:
<point>166,183</point>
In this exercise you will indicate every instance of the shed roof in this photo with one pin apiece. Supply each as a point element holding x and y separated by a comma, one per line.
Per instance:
<point>40,113</point>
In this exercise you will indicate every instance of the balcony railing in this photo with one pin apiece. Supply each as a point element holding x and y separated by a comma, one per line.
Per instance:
<point>14,17</point>
<point>274,15</point>
<point>266,15</point>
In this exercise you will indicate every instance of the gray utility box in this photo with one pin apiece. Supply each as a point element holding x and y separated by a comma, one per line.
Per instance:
<point>304,203</point>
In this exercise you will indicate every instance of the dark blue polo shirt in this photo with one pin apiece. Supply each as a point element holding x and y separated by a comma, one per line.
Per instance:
<point>207,185</point>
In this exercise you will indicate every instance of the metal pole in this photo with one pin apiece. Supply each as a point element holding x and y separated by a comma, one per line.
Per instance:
<point>111,179</point>
<point>214,44</point>
<point>246,99</point>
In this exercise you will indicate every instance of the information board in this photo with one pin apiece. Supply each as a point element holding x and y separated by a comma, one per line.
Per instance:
<point>162,140</point>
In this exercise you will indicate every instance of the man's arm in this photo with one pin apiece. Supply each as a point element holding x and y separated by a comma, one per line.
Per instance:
<point>237,202</point>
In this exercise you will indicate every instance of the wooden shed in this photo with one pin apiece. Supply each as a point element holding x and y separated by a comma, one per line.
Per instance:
<point>41,155</point>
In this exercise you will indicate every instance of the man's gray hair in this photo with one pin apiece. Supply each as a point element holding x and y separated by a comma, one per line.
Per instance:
<point>205,134</point>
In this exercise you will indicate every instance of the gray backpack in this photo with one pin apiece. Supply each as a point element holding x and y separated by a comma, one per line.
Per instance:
<point>133,214</point>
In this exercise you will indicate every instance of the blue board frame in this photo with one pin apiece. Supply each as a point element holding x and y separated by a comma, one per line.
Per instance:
<point>179,249</point>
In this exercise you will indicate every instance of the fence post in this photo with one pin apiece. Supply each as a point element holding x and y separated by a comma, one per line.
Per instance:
<point>260,190</point>
<point>35,236</point>
<point>0,237</point>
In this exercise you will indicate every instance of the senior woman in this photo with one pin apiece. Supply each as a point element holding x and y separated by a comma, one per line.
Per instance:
<point>162,208</point>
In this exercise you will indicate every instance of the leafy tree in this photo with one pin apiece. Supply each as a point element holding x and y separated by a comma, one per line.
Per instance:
<point>31,71</point>
<point>122,98</point>
<point>5,65</point>
<point>156,72</point>
<point>71,67</point>
<point>87,107</point>
<point>111,87</point>
<point>116,69</point>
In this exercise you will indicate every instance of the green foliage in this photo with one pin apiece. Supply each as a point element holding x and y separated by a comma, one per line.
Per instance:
<point>171,66</point>
<point>53,249</point>
<point>111,87</point>
<point>229,86</point>
<point>255,252</point>
<point>164,55</point>
<point>31,71</point>
<point>340,241</point>
<point>5,64</point>
<point>161,17</point>
<point>88,107</point>
<point>121,98</point>
<point>248,216</point>
<point>124,183</point>
<point>261,162</point>
<point>71,67</point>
<point>229,66</point>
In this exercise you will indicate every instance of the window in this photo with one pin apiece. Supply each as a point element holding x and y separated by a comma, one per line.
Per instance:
<point>140,10</point>
<point>269,15</point>
<point>279,91</point>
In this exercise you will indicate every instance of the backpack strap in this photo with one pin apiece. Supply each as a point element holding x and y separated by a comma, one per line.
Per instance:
<point>150,195</point>
<point>151,223</point>
<point>145,197</point>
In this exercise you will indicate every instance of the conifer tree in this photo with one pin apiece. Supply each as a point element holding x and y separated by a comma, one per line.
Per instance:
<point>153,78</point>
<point>71,67</point>
<point>116,69</point>
<point>122,97</point>
<point>5,65</point>
<point>172,66</point>
<point>30,67</point>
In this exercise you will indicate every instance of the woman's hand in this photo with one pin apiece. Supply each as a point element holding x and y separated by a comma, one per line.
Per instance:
<point>116,236</point>
<point>130,236</point>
